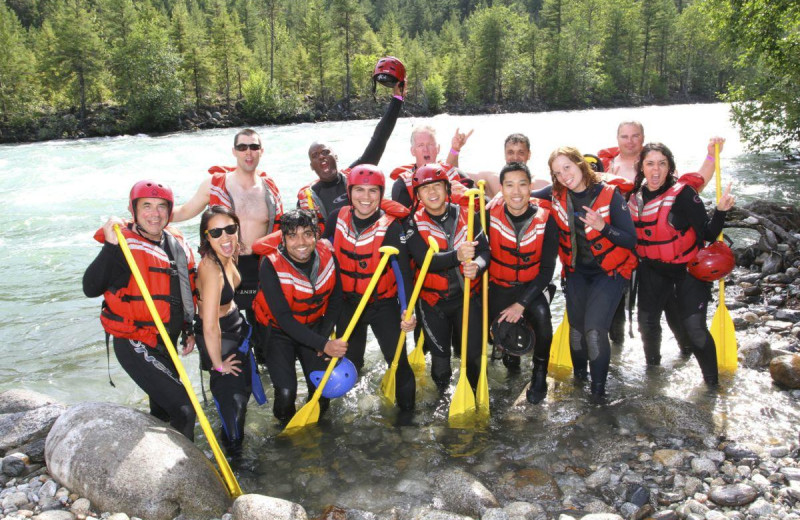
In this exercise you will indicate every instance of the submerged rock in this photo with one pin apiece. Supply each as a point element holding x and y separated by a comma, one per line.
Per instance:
<point>528,485</point>
<point>754,352</point>
<point>462,493</point>
<point>124,460</point>
<point>785,370</point>
<point>734,495</point>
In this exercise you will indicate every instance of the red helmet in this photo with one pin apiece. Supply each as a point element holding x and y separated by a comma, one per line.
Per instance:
<point>713,262</point>
<point>429,174</point>
<point>149,188</point>
<point>366,175</point>
<point>389,71</point>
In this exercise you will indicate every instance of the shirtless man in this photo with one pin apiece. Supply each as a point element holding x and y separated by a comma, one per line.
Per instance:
<point>253,195</point>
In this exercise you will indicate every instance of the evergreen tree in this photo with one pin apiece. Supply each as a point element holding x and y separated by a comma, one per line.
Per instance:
<point>18,84</point>
<point>228,50</point>
<point>317,36</point>
<point>191,43</point>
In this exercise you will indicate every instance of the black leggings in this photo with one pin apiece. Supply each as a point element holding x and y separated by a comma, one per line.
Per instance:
<point>592,300</point>
<point>383,316</point>
<point>442,324</point>
<point>537,314</point>
<point>153,370</point>
<point>656,287</point>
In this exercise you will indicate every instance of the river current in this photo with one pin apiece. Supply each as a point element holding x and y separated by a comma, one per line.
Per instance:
<point>58,193</point>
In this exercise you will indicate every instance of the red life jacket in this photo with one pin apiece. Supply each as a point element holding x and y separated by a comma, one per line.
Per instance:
<point>308,300</point>
<point>125,313</point>
<point>219,195</point>
<point>437,285</point>
<point>656,238</point>
<point>406,172</point>
<point>322,211</point>
<point>607,156</point>
<point>515,260</point>
<point>621,183</point>
<point>358,255</point>
<point>612,258</point>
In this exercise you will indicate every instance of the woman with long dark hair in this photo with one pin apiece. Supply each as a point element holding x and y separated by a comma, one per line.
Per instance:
<point>672,225</point>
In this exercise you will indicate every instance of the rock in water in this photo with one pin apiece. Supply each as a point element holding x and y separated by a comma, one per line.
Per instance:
<point>734,495</point>
<point>259,507</point>
<point>13,401</point>
<point>785,370</point>
<point>124,460</point>
<point>755,352</point>
<point>464,494</point>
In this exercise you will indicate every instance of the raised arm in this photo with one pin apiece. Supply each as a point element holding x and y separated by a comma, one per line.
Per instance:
<point>195,205</point>
<point>377,144</point>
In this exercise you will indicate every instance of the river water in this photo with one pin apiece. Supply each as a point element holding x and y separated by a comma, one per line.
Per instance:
<point>58,193</point>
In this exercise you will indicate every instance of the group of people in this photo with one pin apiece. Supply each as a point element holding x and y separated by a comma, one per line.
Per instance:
<point>279,283</point>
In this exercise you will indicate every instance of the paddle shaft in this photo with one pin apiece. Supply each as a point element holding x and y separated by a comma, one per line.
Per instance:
<point>482,393</point>
<point>230,479</point>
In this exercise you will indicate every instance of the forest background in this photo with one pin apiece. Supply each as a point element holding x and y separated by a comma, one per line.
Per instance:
<point>75,68</point>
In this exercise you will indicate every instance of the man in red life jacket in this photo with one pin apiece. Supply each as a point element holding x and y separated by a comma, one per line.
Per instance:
<point>298,303</point>
<point>167,266</point>
<point>357,233</point>
<point>455,268</point>
<point>425,150</point>
<point>329,190</point>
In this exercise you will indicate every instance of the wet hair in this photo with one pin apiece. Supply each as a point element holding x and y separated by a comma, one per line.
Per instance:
<point>297,218</point>
<point>590,177</point>
<point>634,123</point>
<point>655,147</point>
<point>515,167</point>
<point>518,138</point>
<point>249,132</point>
<point>424,128</point>
<point>212,211</point>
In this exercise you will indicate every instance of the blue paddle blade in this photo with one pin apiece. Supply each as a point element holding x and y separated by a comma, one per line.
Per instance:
<point>401,287</point>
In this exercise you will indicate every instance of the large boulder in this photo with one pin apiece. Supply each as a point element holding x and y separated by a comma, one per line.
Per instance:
<point>260,507</point>
<point>785,370</point>
<point>25,418</point>
<point>124,460</point>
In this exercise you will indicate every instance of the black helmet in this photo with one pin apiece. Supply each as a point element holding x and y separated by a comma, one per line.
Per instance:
<point>514,339</point>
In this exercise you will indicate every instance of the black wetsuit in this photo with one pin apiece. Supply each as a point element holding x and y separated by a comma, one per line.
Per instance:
<point>592,295</point>
<point>660,281</point>
<point>442,323</point>
<point>151,368</point>
<point>294,340</point>
<point>382,315</point>
<point>330,196</point>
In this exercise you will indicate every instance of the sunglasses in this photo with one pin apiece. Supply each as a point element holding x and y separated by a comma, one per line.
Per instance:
<point>216,232</point>
<point>242,147</point>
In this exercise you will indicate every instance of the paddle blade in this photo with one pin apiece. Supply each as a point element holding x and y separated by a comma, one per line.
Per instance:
<point>560,357</point>
<point>463,399</point>
<point>308,414</point>
<point>417,357</point>
<point>389,384</point>
<point>725,339</point>
<point>482,394</point>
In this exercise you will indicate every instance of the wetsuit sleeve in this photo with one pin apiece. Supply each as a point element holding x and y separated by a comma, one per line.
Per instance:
<point>270,287</point>
<point>335,305</point>
<point>621,232</point>
<point>396,237</point>
<point>330,226</point>
<point>108,270</point>
<point>374,150</point>
<point>689,210</point>
<point>400,193</point>
<point>547,266</point>
<point>545,193</point>
<point>418,248</point>
<point>482,254</point>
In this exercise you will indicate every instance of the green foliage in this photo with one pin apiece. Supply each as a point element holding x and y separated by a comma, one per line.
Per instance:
<point>17,69</point>
<point>262,102</point>
<point>434,93</point>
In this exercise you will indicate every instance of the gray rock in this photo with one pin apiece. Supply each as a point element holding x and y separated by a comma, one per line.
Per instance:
<point>260,507</point>
<point>599,478</point>
<point>715,515</point>
<point>791,474</point>
<point>785,370</point>
<point>462,493</point>
<point>14,464</point>
<point>14,401</point>
<point>427,513</point>
<point>54,515</point>
<point>602,516</point>
<point>123,459</point>
<point>692,486</point>
<point>778,326</point>
<point>754,352</point>
<point>750,317</point>
<point>778,452</point>
<point>217,115</point>
<point>14,499</point>
<point>118,516</point>
<point>628,509</point>
<point>733,495</point>
<point>773,263</point>
<point>495,513</point>
<point>665,514</point>
<point>703,466</point>
<point>34,449</point>
<point>525,511</point>
<point>760,508</point>
<point>17,428</point>
<point>81,507</point>
<point>669,458</point>
<point>737,452</point>
<point>791,315</point>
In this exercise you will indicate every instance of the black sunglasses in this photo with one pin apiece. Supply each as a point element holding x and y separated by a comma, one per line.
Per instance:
<point>216,232</point>
<point>241,147</point>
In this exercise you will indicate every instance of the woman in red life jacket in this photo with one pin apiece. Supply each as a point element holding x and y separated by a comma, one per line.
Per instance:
<point>596,239</point>
<point>672,226</point>
<point>299,300</point>
<point>523,240</point>
<point>357,232</point>
<point>220,328</point>
<point>167,266</point>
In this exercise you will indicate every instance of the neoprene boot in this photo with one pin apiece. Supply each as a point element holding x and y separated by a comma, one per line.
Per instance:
<point>538,389</point>
<point>441,372</point>
<point>678,328</point>
<point>283,407</point>
<point>617,332</point>
<point>650,332</point>
<point>599,359</point>
<point>704,350</point>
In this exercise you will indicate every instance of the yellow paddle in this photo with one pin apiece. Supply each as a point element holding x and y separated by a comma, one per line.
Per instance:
<point>463,399</point>
<point>560,357</point>
<point>310,199</point>
<point>309,413</point>
<point>722,325</point>
<point>417,357</point>
<point>230,479</point>
<point>482,392</point>
<point>389,383</point>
